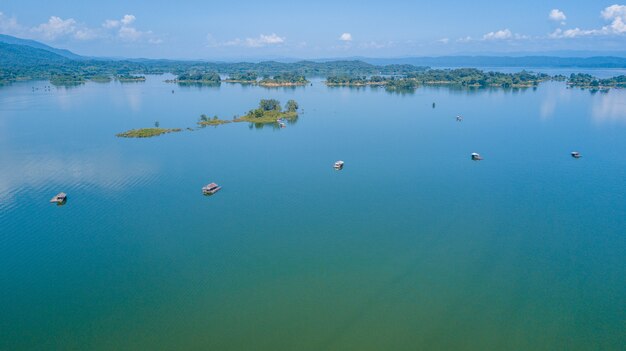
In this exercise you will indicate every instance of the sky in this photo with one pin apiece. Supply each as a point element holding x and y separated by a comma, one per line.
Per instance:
<point>232,30</point>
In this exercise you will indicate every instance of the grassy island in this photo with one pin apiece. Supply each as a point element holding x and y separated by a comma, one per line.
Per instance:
<point>206,121</point>
<point>127,78</point>
<point>208,78</point>
<point>243,78</point>
<point>587,81</point>
<point>270,111</point>
<point>283,80</point>
<point>67,79</point>
<point>146,132</point>
<point>463,77</point>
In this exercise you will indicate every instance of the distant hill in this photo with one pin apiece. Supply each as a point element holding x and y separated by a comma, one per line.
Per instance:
<point>7,39</point>
<point>505,61</point>
<point>13,55</point>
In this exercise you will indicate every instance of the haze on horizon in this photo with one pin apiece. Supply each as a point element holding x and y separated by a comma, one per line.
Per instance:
<point>322,29</point>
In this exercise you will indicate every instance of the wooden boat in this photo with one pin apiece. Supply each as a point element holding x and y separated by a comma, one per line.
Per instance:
<point>338,165</point>
<point>211,189</point>
<point>476,156</point>
<point>576,154</point>
<point>59,198</point>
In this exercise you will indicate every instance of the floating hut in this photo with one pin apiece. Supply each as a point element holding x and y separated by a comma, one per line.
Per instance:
<point>338,165</point>
<point>59,198</point>
<point>211,189</point>
<point>476,156</point>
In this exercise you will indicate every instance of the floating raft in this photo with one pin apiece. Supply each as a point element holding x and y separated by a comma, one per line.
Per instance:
<point>211,189</point>
<point>59,198</point>
<point>476,156</point>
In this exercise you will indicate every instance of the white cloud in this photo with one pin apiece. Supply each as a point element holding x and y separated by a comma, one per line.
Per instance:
<point>128,19</point>
<point>127,32</point>
<point>56,27</point>
<point>499,35</point>
<point>557,16</point>
<point>345,37</point>
<point>9,25</point>
<point>614,13</point>
<point>443,40</point>
<point>264,40</point>
<point>108,24</point>
<point>261,41</point>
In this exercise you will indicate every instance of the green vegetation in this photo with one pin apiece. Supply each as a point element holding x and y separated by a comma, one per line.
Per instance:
<point>590,82</point>
<point>465,77</point>
<point>197,77</point>
<point>245,77</point>
<point>270,111</point>
<point>206,121</point>
<point>283,79</point>
<point>126,78</point>
<point>66,79</point>
<point>100,79</point>
<point>146,132</point>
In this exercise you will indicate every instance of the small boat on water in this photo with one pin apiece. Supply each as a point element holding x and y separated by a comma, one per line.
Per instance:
<point>59,199</point>
<point>282,125</point>
<point>459,118</point>
<point>211,189</point>
<point>338,165</point>
<point>476,156</point>
<point>576,154</point>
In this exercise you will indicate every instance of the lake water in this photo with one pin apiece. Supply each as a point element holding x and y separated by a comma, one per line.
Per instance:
<point>411,246</point>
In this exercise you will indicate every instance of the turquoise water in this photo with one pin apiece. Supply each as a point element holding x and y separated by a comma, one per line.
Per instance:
<point>411,246</point>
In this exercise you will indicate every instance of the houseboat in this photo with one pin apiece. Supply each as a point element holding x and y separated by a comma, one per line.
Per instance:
<point>211,189</point>
<point>476,156</point>
<point>59,199</point>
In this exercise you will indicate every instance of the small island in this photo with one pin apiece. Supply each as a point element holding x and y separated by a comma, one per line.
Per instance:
<point>270,111</point>
<point>206,78</point>
<point>129,78</point>
<point>206,121</point>
<point>146,132</point>
<point>587,81</point>
<point>67,79</point>
<point>463,77</point>
<point>283,80</point>
<point>242,78</point>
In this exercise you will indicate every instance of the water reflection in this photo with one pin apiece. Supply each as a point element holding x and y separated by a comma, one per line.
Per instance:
<point>108,171</point>
<point>609,107</point>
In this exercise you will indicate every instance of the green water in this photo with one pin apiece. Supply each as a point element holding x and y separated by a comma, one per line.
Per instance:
<point>412,246</point>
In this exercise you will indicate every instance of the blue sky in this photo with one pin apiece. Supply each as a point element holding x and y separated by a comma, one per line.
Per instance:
<point>317,29</point>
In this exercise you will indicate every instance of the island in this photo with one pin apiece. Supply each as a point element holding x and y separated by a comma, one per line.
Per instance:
<point>206,121</point>
<point>195,77</point>
<point>464,77</point>
<point>283,80</point>
<point>243,78</point>
<point>67,79</point>
<point>129,78</point>
<point>147,132</point>
<point>270,111</point>
<point>587,81</point>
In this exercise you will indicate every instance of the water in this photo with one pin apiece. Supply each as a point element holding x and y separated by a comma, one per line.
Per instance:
<point>411,246</point>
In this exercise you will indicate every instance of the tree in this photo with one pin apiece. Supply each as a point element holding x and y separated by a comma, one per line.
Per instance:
<point>269,105</point>
<point>156,124</point>
<point>204,117</point>
<point>291,106</point>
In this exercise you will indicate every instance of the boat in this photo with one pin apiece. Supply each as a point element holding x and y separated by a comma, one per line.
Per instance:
<point>576,154</point>
<point>476,156</point>
<point>59,198</point>
<point>338,165</point>
<point>282,125</point>
<point>211,189</point>
<point>459,118</point>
